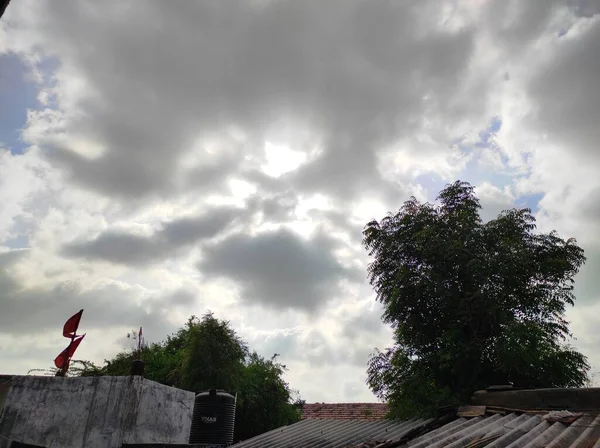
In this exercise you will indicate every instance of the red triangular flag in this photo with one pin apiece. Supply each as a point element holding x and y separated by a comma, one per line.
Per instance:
<point>71,325</point>
<point>61,363</point>
<point>62,360</point>
<point>73,345</point>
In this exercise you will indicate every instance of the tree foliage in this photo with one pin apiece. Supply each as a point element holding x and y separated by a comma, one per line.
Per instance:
<point>264,397</point>
<point>213,355</point>
<point>207,353</point>
<point>471,303</point>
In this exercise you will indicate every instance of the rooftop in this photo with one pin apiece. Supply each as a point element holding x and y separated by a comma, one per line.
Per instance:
<point>345,411</point>
<point>510,430</point>
<point>549,418</point>
<point>312,433</point>
<point>493,430</point>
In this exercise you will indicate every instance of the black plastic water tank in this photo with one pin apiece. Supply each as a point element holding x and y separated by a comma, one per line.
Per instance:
<point>213,419</point>
<point>137,367</point>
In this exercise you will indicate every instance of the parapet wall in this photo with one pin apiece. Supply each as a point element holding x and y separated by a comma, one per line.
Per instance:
<point>101,412</point>
<point>571,399</point>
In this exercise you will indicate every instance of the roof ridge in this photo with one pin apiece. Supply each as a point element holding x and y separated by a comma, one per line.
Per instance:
<point>350,402</point>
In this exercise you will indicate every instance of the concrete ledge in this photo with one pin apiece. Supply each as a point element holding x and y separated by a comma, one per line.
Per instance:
<point>161,445</point>
<point>24,445</point>
<point>584,399</point>
<point>94,412</point>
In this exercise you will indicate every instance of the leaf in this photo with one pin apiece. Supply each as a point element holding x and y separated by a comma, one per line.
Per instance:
<point>471,303</point>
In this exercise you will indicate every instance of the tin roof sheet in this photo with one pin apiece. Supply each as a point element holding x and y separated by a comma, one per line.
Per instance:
<point>323,433</point>
<point>515,431</point>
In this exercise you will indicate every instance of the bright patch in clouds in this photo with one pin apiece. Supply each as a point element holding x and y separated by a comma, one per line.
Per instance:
<point>281,159</point>
<point>155,175</point>
<point>241,190</point>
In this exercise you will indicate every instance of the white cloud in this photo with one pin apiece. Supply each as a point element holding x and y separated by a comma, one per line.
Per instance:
<point>196,156</point>
<point>494,200</point>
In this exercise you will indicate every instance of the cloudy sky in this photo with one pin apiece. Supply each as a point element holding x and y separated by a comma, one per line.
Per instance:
<point>162,158</point>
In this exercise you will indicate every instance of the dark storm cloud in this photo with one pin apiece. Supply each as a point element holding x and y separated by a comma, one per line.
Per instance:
<point>162,74</point>
<point>279,269</point>
<point>130,249</point>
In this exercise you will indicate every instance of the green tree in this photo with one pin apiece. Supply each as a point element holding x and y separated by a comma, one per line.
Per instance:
<point>264,399</point>
<point>213,355</point>
<point>161,365</point>
<point>470,303</point>
<point>163,361</point>
<point>207,353</point>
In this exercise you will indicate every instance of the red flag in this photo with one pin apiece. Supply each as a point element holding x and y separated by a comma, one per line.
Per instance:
<point>71,325</point>
<point>62,360</point>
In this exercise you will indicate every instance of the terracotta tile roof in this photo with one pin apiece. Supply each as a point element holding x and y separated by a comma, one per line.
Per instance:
<point>345,411</point>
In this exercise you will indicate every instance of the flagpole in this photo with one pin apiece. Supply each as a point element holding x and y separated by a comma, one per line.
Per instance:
<point>69,358</point>
<point>65,366</point>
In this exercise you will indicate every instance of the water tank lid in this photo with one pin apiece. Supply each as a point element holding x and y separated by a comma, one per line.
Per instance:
<point>216,395</point>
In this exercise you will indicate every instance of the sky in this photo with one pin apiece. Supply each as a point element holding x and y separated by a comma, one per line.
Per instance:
<point>161,159</point>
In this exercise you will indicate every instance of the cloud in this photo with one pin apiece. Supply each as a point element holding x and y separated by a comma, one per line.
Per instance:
<point>43,309</point>
<point>586,287</point>
<point>342,343</point>
<point>494,200</point>
<point>364,325</point>
<point>128,248</point>
<point>279,268</point>
<point>566,106</point>
<point>353,86</point>
<point>337,347</point>
<point>259,138</point>
<point>279,207</point>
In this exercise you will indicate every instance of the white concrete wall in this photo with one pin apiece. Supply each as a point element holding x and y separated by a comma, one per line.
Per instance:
<point>101,412</point>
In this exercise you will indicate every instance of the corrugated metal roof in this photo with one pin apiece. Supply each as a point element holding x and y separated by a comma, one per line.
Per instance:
<point>320,433</point>
<point>514,431</point>
<point>345,411</point>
